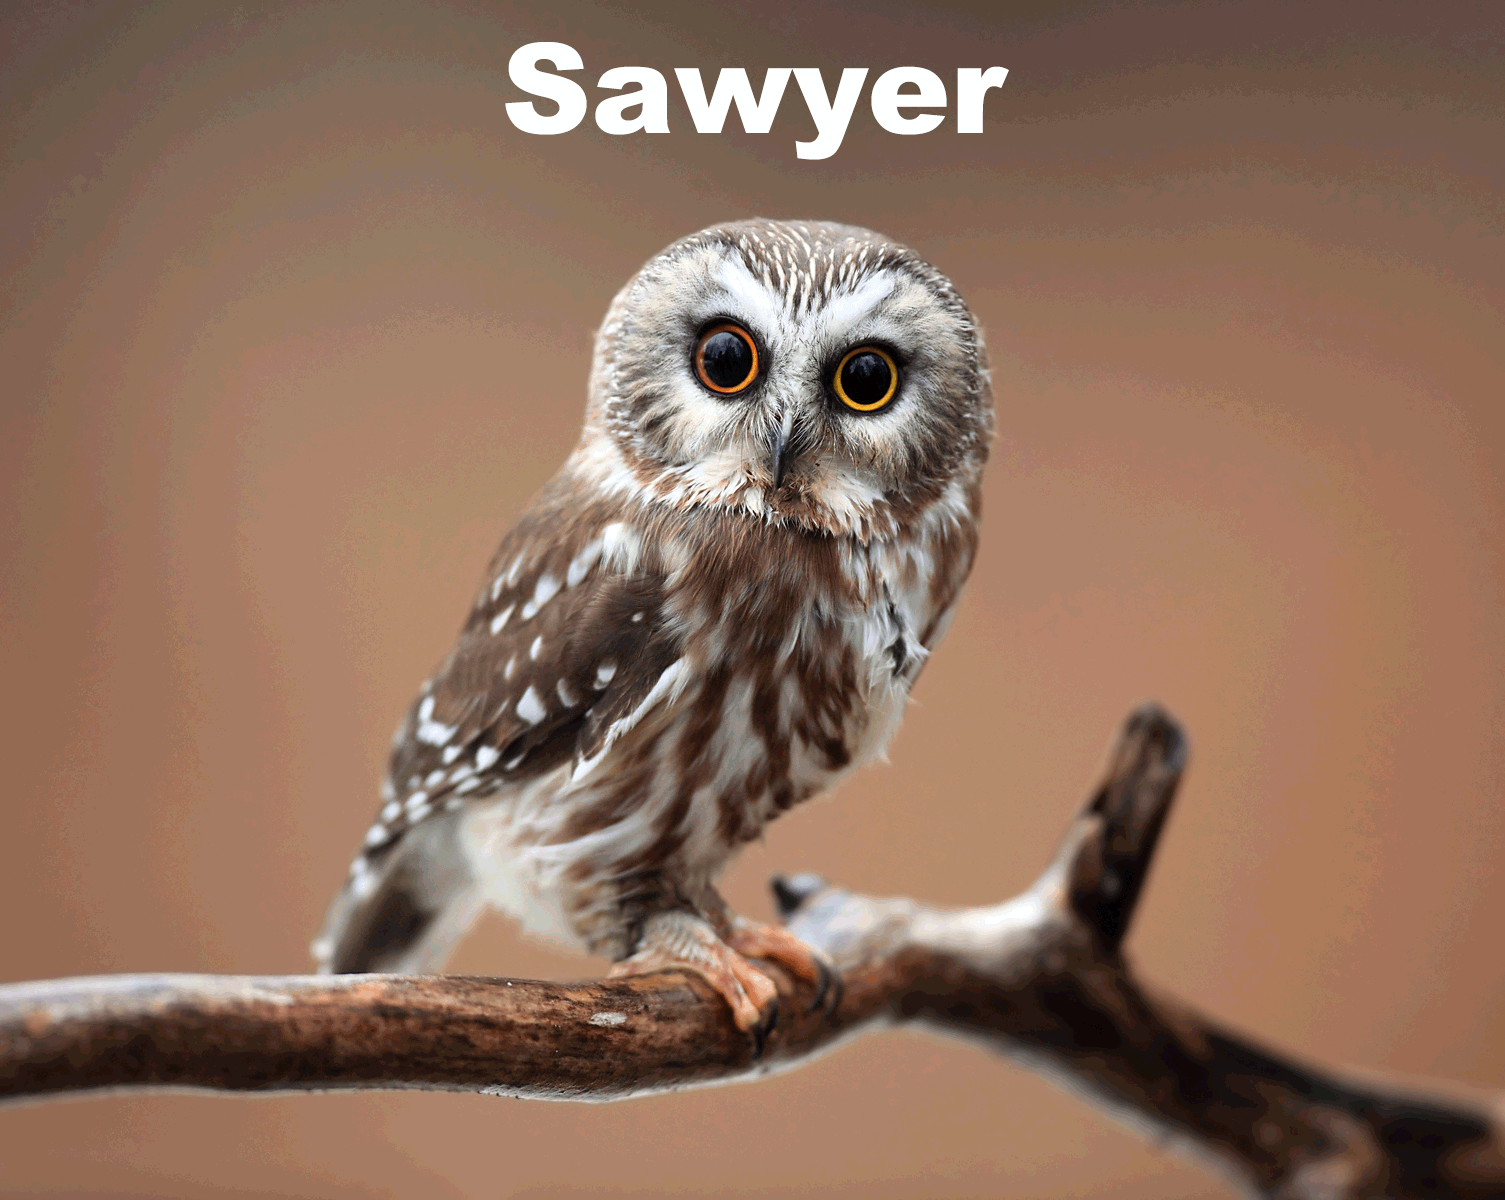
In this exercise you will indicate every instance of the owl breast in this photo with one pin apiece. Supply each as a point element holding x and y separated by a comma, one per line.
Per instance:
<point>778,682</point>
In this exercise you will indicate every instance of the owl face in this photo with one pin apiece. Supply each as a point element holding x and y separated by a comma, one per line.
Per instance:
<point>800,372</point>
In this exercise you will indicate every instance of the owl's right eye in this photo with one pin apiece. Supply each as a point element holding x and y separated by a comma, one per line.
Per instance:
<point>726,360</point>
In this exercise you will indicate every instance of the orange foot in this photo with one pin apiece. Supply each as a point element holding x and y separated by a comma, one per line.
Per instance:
<point>685,941</point>
<point>803,961</point>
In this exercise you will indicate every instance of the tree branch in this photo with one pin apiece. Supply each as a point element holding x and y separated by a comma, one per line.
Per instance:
<point>1039,978</point>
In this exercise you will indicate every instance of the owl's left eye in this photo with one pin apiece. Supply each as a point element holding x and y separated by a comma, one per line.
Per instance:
<point>866,379</point>
<point>726,360</point>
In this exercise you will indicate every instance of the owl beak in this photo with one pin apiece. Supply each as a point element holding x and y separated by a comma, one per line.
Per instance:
<point>786,448</point>
<point>780,458</point>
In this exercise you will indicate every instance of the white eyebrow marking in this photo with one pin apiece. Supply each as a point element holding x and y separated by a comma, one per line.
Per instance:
<point>758,305</point>
<point>844,311</point>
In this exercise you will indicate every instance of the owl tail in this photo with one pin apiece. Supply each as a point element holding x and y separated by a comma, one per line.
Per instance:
<point>403,912</point>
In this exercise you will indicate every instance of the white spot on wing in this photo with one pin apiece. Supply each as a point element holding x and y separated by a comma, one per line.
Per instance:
<point>434,733</point>
<point>543,592</point>
<point>535,648</point>
<point>604,674</point>
<point>530,708</point>
<point>500,620</point>
<point>581,564</point>
<point>566,696</point>
<point>620,547</point>
<point>485,756</point>
<point>667,685</point>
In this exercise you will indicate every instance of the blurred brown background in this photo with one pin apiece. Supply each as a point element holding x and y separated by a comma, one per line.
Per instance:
<point>295,322</point>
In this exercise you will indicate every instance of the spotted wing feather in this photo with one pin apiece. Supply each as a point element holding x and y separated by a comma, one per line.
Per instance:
<point>558,654</point>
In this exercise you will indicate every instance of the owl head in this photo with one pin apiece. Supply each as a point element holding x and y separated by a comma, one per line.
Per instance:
<point>800,372</point>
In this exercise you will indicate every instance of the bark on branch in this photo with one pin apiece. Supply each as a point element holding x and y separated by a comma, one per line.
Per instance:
<point>1040,978</point>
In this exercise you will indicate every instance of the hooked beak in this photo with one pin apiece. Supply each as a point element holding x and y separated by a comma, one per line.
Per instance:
<point>785,449</point>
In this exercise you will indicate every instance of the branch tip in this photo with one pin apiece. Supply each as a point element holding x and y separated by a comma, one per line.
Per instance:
<point>791,892</point>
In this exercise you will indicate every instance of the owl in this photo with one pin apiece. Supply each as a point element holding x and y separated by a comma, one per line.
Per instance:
<point>713,612</point>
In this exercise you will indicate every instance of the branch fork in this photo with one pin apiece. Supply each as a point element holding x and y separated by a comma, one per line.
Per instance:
<point>1040,978</point>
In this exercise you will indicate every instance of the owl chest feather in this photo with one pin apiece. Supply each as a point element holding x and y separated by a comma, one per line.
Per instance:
<point>785,679</point>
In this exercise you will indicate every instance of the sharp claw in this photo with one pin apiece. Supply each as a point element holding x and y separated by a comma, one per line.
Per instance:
<point>768,1020</point>
<point>829,989</point>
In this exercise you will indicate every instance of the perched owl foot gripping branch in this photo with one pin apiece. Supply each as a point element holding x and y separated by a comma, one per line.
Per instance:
<point>714,611</point>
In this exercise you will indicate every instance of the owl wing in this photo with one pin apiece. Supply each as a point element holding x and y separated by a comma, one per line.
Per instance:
<point>565,650</point>
<point>559,656</point>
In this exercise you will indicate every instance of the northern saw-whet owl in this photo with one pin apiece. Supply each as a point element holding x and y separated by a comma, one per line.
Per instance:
<point>714,611</point>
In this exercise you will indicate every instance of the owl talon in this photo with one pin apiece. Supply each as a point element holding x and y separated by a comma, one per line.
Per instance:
<point>800,959</point>
<point>683,941</point>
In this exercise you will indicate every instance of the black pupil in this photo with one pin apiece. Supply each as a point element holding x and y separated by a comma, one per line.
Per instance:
<point>865,378</point>
<point>727,359</point>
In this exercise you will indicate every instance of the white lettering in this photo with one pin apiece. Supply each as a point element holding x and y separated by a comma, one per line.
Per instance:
<point>732,84</point>
<point>641,104</point>
<point>887,99</point>
<point>972,84</point>
<point>569,95</point>
<point>651,96</point>
<point>831,117</point>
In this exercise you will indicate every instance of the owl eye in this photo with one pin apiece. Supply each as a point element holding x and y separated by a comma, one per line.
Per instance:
<point>866,379</point>
<point>726,360</point>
